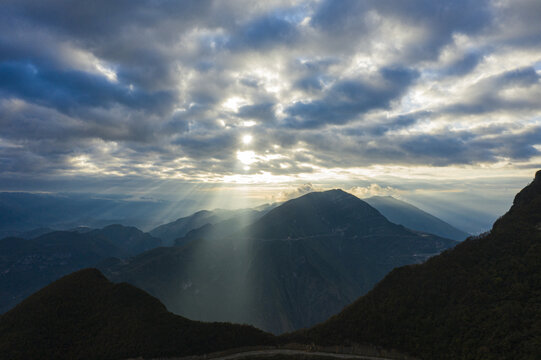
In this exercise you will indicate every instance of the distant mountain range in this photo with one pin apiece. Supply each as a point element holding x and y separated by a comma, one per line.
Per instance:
<point>480,300</point>
<point>27,265</point>
<point>21,212</point>
<point>293,267</point>
<point>400,212</point>
<point>31,264</point>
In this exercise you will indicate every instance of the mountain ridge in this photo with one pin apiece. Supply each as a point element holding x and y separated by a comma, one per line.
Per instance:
<point>309,215</point>
<point>403,213</point>
<point>478,300</point>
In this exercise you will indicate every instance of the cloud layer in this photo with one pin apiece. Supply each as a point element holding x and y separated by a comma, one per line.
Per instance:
<point>170,89</point>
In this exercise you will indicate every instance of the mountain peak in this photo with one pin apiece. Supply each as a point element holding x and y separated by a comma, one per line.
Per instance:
<point>328,192</point>
<point>333,194</point>
<point>318,213</point>
<point>336,191</point>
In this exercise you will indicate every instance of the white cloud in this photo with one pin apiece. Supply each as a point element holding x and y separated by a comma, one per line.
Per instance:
<point>373,190</point>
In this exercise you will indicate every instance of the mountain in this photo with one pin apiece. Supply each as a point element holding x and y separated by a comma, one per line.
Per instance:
<point>220,229</point>
<point>128,239</point>
<point>20,212</point>
<point>29,234</point>
<point>28,265</point>
<point>179,228</point>
<point>84,316</point>
<point>400,212</point>
<point>297,265</point>
<point>480,300</point>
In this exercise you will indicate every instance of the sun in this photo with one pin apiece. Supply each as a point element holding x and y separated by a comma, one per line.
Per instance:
<point>247,139</point>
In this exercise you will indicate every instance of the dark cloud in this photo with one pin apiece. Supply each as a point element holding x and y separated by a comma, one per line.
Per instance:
<point>383,126</point>
<point>102,19</point>
<point>263,32</point>
<point>348,99</point>
<point>464,65</point>
<point>264,112</point>
<point>215,146</point>
<point>68,90</point>
<point>313,74</point>
<point>519,22</point>
<point>310,83</point>
<point>342,148</point>
<point>134,34</point>
<point>488,94</point>
<point>440,20</point>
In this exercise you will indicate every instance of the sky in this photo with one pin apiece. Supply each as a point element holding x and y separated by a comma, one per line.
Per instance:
<point>244,102</point>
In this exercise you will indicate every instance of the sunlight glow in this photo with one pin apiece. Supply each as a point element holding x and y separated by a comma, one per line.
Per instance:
<point>234,103</point>
<point>248,123</point>
<point>246,157</point>
<point>247,139</point>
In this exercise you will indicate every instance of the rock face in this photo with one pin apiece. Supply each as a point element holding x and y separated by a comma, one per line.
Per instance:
<point>400,212</point>
<point>479,300</point>
<point>84,316</point>
<point>297,265</point>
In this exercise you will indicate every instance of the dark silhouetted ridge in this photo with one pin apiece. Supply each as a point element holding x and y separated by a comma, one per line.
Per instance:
<point>84,316</point>
<point>480,300</point>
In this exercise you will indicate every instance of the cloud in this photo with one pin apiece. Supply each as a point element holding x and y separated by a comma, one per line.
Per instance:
<point>373,190</point>
<point>68,90</point>
<point>436,21</point>
<point>263,32</point>
<point>495,93</point>
<point>350,98</point>
<point>297,192</point>
<point>464,65</point>
<point>168,89</point>
<point>263,111</point>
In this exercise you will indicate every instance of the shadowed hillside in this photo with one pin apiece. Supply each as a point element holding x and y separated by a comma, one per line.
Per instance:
<point>480,300</point>
<point>84,316</point>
